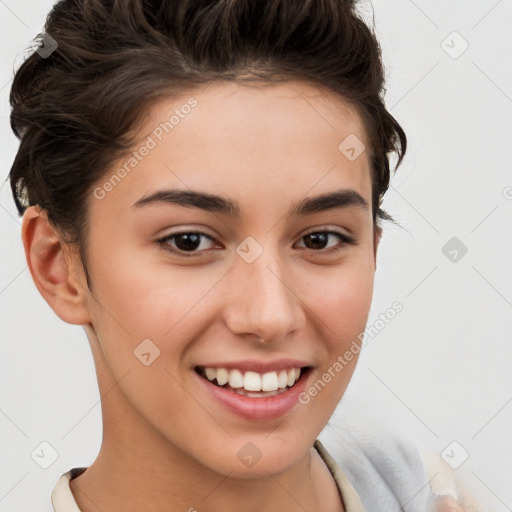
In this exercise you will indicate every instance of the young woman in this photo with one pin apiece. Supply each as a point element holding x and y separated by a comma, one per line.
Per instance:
<point>200,184</point>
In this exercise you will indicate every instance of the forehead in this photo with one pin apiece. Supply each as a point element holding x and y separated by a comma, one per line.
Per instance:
<point>248,140</point>
<point>298,110</point>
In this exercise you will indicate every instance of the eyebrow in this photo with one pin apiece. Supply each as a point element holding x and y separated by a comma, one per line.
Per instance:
<point>342,198</point>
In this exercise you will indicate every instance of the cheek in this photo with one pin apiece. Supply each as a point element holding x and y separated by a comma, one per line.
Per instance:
<point>340,302</point>
<point>342,298</point>
<point>147,317</point>
<point>150,301</point>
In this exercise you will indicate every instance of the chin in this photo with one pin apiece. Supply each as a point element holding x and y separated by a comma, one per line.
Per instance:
<point>259,456</point>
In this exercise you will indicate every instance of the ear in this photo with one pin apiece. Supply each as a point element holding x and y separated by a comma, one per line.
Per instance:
<point>377,235</point>
<point>54,268</point>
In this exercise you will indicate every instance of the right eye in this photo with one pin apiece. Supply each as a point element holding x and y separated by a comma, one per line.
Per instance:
<point>184,242</point>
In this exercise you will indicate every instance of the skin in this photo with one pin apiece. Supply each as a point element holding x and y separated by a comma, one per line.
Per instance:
<point>446,503</point>
<point>165,442</point>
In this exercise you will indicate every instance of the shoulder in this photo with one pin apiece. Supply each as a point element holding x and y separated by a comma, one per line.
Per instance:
<point>388,468</point>
<point>387,472</point>
<point>391,472</point>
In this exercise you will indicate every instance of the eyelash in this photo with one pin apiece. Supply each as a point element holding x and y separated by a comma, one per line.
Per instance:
<point>347,240</point>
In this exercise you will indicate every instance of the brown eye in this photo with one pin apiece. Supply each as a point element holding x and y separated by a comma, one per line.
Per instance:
<point>318,240</point>
<point>185,242</point>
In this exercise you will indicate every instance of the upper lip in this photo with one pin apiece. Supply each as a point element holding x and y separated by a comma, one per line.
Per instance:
<point>258,366</point>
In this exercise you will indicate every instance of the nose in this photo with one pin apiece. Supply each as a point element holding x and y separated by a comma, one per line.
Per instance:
<point>263,302</point>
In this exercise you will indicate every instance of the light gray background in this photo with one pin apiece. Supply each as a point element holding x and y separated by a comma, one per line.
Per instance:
<point>441,370</point>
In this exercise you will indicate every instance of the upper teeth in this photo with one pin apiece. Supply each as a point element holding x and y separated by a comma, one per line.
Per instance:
<point>253,381</point>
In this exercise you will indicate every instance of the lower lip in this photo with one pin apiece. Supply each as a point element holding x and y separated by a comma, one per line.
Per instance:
<point>265,408</point>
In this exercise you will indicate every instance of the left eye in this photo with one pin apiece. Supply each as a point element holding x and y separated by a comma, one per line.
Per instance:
<point>316,238</point>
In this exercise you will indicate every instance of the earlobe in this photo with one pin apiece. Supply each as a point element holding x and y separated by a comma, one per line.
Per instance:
<point>53,268</point>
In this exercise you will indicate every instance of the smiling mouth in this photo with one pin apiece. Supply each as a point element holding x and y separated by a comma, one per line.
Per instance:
<point>253,384</point>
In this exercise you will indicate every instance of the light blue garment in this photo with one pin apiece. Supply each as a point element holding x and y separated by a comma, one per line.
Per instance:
<point>385,467</point>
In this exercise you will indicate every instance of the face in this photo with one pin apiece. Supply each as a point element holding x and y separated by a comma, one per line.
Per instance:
<point>248,285</point>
